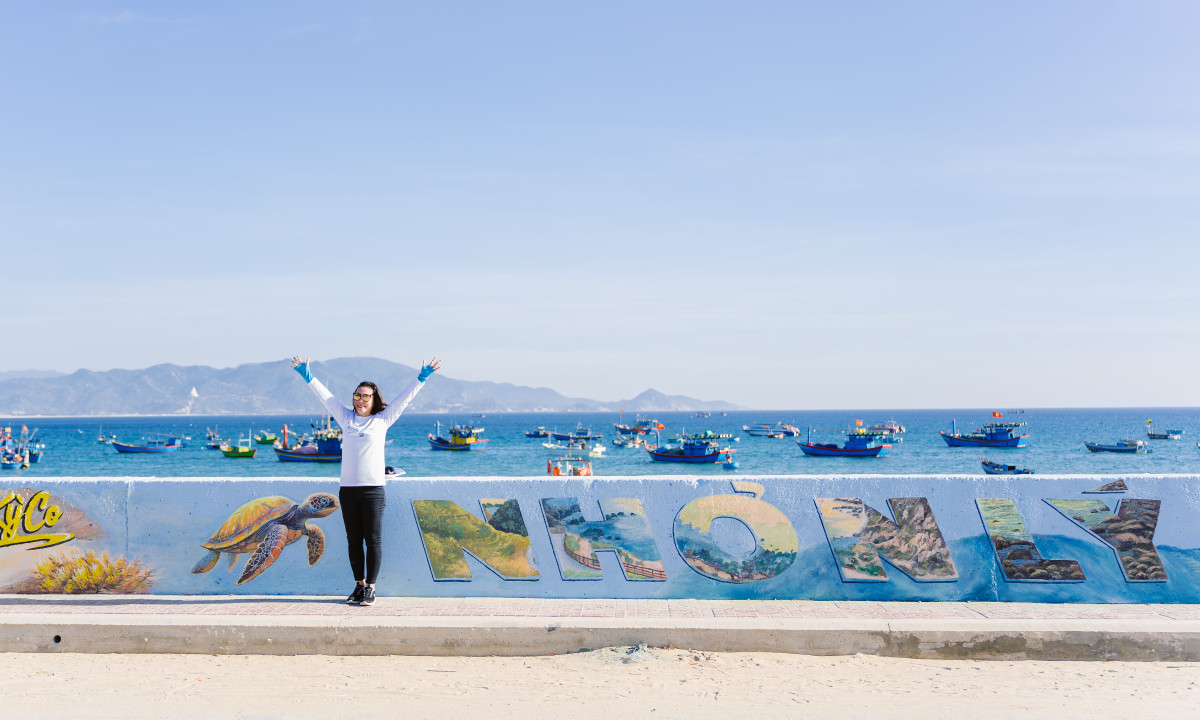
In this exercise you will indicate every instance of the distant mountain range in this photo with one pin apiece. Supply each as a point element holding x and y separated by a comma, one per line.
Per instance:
<point>272,388</point>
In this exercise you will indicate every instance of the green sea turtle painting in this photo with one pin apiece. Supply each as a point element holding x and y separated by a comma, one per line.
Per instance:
<point>265,527</point>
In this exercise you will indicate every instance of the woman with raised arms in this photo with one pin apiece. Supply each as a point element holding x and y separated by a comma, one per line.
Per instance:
<point>362,496</point>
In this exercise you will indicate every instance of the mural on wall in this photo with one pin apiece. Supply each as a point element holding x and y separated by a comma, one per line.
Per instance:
<point>859,534</point>
<point>87,572</point>
<point>33,519</point>
<point>501,543</point>
<point>26,516</point>
<point>625,531</point>
<point>1116,486</point>
<point>264,527</point>
<point>1049,539</point>
<point>1015,549</point>
<point>775,542</point>
<point>1130,533</point>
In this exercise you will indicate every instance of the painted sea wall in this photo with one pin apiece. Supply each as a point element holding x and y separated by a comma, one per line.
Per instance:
<point>1094,539</point>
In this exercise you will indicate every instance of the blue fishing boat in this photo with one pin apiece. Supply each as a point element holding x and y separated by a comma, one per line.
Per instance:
<point>860,442</point>
<point>997,434</point>
<point>995,468</point>
<point>462,437</point>
<point>1169,434</point>
<point>167,444</point>
<point>640,426</point>
<point>537,432</point>
<point>579,433</point>
<point>702,447</point>
<point>325,447</point>
<point>1121,446</point>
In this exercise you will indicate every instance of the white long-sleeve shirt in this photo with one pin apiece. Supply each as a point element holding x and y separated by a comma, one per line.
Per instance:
<point>363,438</point>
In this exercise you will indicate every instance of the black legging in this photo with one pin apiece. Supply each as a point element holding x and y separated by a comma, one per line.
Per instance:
<point>362,512</point>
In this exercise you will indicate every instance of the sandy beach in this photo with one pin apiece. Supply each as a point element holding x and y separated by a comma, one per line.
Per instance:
<point>629,682</point>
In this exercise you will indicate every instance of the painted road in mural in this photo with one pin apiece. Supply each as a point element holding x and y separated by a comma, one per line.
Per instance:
<point>1053,539</point>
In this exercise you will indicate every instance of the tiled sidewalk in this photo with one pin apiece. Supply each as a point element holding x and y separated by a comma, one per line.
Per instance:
<point>270,606</point>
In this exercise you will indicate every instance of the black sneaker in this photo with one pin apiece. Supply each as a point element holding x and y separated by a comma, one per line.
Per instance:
<point>357,595</point>
<point>368,596</point>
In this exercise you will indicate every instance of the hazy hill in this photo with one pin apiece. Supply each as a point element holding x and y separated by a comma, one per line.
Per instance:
<point>272,388</point>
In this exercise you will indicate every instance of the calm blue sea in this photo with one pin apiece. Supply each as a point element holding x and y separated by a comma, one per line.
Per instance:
<point>1056,444</point>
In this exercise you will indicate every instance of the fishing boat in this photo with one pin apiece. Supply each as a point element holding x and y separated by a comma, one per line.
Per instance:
<point>579,433</point>
<point>169,443</point>
<point>1171,434</point>
<point>703,414</point>
<point>105,439</point>
<point>462,437</point>
<point>569,466</point>
<point>778,430</point>
<point>212,439</point>
<point>242,449</point>
<point>324,447</point>
<point>995,468</point>
<point>1121,446</point>
<point>997,434</point>
<point>640,426</point>
<point>537,432</point>
<point>576,447</point>
<point>629,441</point>
<point>702,447</point>
<point>891,430</point>
<point>265,438</point>
<point>860,442</point>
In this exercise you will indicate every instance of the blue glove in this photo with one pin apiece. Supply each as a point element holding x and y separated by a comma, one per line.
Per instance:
<point>426,371</point>
<point>302,368</point>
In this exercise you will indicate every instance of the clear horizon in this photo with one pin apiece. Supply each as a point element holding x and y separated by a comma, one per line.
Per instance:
<point>920,206</point>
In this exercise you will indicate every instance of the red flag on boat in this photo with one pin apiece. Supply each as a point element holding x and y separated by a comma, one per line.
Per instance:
<point>660,427</point>
<point>996,414</point>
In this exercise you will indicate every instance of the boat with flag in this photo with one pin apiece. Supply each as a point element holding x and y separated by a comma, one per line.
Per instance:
<point>1169,434</point>
<point>324,447</point>
<point>702,447</point>
<point>995,468</point>
<point>994,434</point>
<point>20,451</point>
<point>860,442</point>
<point>461,438</point>
<point>640,426</point>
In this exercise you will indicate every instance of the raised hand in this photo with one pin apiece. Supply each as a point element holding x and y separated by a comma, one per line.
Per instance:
<point>301,366</point>
<point>429,368</point>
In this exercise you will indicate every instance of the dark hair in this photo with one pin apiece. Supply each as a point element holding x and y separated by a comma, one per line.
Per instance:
<point>378,404</point>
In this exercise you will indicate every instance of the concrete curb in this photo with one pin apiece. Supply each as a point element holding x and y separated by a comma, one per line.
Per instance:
<point>960,639</point>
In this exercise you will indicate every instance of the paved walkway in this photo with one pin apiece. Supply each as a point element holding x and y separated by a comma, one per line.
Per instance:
<point>520,626</point>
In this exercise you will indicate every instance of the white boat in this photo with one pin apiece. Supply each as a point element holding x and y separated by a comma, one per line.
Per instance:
<point>778,430</point>
<point>576,447</point>
<point>891,429</point>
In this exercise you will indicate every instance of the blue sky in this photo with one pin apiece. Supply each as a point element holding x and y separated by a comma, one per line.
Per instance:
<point>782,205</point>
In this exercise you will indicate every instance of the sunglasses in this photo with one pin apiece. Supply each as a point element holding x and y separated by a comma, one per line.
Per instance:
<point>368,396</point>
